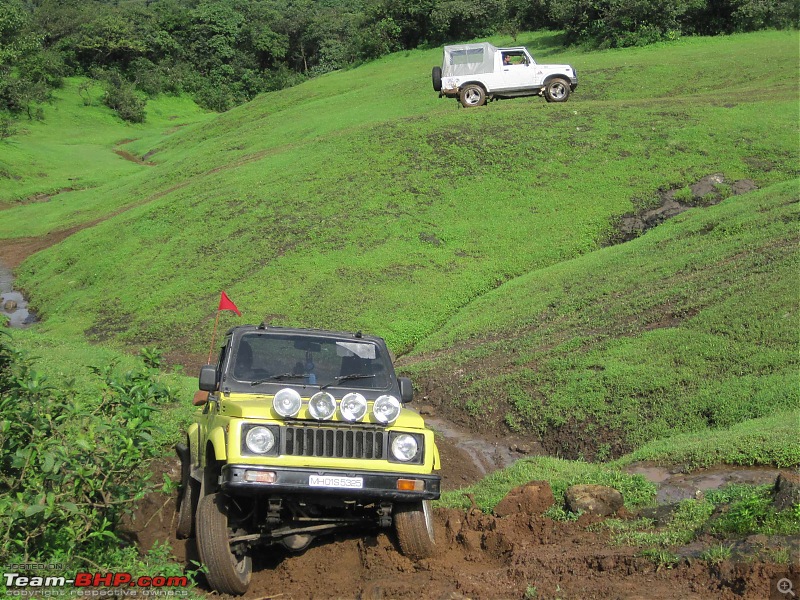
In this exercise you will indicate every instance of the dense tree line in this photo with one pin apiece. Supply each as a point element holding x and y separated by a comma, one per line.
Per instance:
<point>224,52</point>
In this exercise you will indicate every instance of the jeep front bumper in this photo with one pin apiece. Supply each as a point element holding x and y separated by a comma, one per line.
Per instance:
<point>254,480</point>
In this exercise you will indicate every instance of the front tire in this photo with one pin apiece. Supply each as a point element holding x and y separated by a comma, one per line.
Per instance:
<point>413,522</point>
<point>557,90</point>
<point>472,95</point>
<point>228,571</point>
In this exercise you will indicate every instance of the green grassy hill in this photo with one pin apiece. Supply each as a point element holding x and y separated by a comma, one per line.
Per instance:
<point>77,146</point>
<point>360,194</point>
<point>693,325</point>
<point>359,200</point>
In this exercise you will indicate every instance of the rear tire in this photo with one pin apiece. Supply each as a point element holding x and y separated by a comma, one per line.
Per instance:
<point>556,90</point>
<point>472,95</point>
<point>228,572</point>
<point>187,509</point>
<point>413,522</point>
<point>436,76</point>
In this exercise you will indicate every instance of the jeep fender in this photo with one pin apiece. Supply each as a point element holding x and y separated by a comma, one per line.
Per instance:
<point>216,440</point>
<point>564,76</point>
<point>480,83</point>
<point>192,440</point>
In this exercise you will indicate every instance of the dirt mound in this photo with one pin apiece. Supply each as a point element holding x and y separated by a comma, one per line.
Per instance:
<point>482,556</point>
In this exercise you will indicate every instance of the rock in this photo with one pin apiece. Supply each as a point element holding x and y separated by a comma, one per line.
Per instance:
<point>533,498</point>
<point>593,499</point>
<point>786,491</point>
<point>9,305</point>
<point>661,515</point>
<point>520,448</point>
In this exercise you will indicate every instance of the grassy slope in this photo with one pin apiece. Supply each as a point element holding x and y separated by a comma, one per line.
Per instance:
<point>72,149</point>
<point>360,194</point>
<point>692,325</point>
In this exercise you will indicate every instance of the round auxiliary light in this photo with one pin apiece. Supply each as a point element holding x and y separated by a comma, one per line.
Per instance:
<point>287,402</point>
<point>259,440</point>
<point>322,406</point>
<point>353,406</point>
<point>405,447</point>
<point>386,409</point>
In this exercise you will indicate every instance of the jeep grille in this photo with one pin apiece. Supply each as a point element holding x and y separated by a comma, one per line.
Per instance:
<point>335,443</point>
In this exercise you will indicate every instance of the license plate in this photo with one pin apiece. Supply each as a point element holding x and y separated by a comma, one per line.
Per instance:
<point>335,481</point>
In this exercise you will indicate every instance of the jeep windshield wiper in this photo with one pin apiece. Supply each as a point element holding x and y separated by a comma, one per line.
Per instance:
<point>278,378</point>
<point>342,378</point>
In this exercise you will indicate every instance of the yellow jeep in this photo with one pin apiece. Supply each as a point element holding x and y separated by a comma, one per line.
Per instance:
<point>304,432</point>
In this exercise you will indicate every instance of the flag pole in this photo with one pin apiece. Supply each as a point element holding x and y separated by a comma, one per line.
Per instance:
<point>213,336</point>
<point>225,303</point>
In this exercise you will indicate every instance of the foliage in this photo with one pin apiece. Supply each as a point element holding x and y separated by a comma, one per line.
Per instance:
<point>661,557</point>
<point>121,96</point>
<point>71,469</point>
<point>751,511</point>
<point>717,553</point>
<point>27,72</point>
<point>734,510</point>
<point>621,23</point>
<point>225,52</point>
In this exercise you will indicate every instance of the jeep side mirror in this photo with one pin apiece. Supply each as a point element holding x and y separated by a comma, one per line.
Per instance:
<point>208,378</point>
<point>406,390</point>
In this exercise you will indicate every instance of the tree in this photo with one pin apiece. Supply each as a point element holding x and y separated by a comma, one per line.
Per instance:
<point>24,74</point>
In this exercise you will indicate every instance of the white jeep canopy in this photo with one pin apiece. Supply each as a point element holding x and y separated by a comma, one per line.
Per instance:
<point>468,59</point>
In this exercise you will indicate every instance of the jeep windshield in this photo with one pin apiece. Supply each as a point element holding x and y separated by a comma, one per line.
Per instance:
<point>263,358</point>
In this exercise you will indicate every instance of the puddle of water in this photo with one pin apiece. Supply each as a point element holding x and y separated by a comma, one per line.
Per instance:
<point>486,456</point>
<point>674,487</point>
<point>12,303</point>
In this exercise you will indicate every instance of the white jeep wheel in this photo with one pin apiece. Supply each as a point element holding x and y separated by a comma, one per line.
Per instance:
<point>472,95</point>
<point>556,90</point>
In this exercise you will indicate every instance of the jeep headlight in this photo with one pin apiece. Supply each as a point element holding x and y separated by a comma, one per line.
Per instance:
<point>386,409</point>
<point>405,447</point>
<point>259,440</point>
<point>287,402</point>
<point>353,407</point>
<point>322,406</point>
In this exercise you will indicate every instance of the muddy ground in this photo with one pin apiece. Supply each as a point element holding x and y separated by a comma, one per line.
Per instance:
<point>519,556</point>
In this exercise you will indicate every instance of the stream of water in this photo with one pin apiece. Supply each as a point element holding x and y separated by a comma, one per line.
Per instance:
<point>12,303</point>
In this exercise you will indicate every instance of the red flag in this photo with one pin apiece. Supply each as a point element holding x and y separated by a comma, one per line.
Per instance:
<point>225,303</point>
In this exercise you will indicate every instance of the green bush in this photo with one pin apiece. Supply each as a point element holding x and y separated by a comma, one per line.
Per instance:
<point>121,96</point>
<point>69,470</point>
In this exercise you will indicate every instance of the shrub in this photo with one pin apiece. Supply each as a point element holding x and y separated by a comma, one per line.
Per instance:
<point>69,471</point>
<point>121,96</point>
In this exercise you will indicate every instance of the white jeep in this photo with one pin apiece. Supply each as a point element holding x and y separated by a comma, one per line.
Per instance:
<point>475,73</point>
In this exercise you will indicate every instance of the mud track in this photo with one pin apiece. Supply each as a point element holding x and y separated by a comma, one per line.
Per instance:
<point>518,556</point>
<point>482,557</point>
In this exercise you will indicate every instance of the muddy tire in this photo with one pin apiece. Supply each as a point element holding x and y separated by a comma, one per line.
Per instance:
<point>227,572</point>
<point>472,95</point>
<point>413,522</point>
<point>556,90</point>
<point>436,76</point>
<point>187,509</point>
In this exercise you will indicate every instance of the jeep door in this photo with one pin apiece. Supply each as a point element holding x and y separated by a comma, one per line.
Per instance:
<point>519,71</point>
